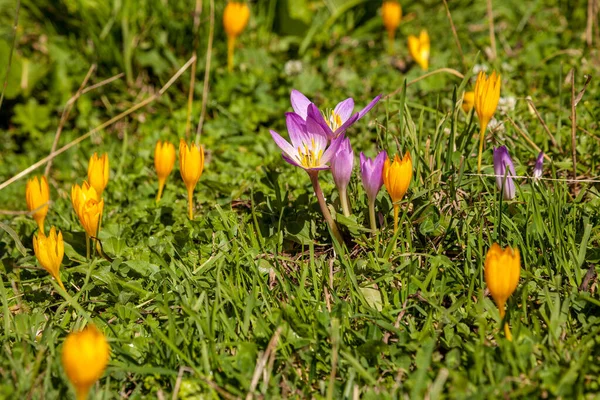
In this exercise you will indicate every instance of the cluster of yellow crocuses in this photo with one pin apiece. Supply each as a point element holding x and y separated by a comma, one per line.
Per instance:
<point>418,46</point>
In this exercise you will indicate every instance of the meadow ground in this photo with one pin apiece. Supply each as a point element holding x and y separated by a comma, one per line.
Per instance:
<point>252,297</point>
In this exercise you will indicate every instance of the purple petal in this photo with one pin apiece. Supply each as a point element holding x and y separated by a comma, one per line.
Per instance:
<point>539,166</point>
<point>283,144</point>
<point>313,127</point>
<point>372,174</point>
<point>296,129</point>
<point>314,113</point>
<point>331,150</point>
<point>504,180</point>
<point>344,109</point>
<point>345,125</point>
<point>291,161</point>
<point>300,103</point>
<point>342,164</point>
<point>365,110</point>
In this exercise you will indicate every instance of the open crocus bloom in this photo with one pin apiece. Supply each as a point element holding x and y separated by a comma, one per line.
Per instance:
<point>334,122</point>
<point>309,148</point>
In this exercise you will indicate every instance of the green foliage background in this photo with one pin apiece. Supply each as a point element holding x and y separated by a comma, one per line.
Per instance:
<point>410,320</point>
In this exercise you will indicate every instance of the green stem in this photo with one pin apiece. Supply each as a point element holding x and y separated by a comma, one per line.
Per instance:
<point>396,213</point>
<point>314,178</point>
<point>391,34</point>
<point>161,185</point>
<point>191,203</point>
<point>481,136</point>
<point>372,215</point>
<point>230,49</point>
<point>87,246</point>
<point>344,202</point>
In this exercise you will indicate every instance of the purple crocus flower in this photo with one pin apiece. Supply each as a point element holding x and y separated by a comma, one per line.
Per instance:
<point>504,179</point>
<point>341,165</point>
<point>334,122</point>
<point>539,165</point>
<point>371,171</point>
<point>309,149</point>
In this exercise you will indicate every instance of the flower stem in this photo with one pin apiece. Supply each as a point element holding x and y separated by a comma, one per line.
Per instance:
<point>507,332</point>
<point>87,246</point>
<point>396,213</point>
<point>314,178</point>
<point>372,215</point>
<point>344,201</point>
<point>191,203</point>
<point>481,136</point>
<point>230,49</point>
<point>161,185</point>
<point>391,35</point>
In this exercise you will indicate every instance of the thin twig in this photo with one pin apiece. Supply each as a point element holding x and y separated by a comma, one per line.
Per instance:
<point>211,34</point>
<point>25,212</point>
<point>535,146</point>
<point>573,127</point>
<point>590,23</point>
<point>65,115</point>
<point>100,127</point>
<point>566,180</point>
<point>262,361</point>
<point>12,49</point>
<point>427,75</point>
<point>188,120</point>
<point>552,138</point>
<point>462,56</point>
<point>490,13</point>
<point>100,84</point>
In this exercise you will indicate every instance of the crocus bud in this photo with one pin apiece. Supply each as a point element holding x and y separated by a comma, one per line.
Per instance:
<point>504,171</point>
<point>98,172</point>
<point>341,165</point>
<point>37,193</point>
<point>397,176</point>
<point>539,165</point>
<point>419,48</point>
<point>85,355</point>
<point>88,207</point>
<point>235,19</point>
<point>391,12</point>
<point>191,165</point>
<point>371,171</point>
<point>487,95</point>
<point>49,251</point>
<point>164,160</point>
<point>502,271</point>
<point>468,101</point>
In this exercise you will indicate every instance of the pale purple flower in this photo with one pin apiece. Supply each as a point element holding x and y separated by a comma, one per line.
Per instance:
<point>309,148</point>
<point>334,122</point>
<point>342,164</point>
<point>539,165</point>
<point>504,171</point>
<point>371,171</point>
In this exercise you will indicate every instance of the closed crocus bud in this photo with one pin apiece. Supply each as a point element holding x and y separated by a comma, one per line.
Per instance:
<point>191,165</point>
<point>371,171</point>
<point>502,271</point>
<point>468,101</point>
<point>341,169</point>
<point>487,94</point>
<point>37,193</point>
<point>539,166</point>
<point>235,19</point>
<point>164,160</point>
<point>396,177</point>
<point>98,172</point>
<point>49,251</point>
<point>504,171</point>
<point>85,355</point>
<point>88,207</point>
<point>391,13</point>
<point>419,48</point>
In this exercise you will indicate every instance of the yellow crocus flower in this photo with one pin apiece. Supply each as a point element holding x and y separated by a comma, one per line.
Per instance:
<point>37,193</point>
<point>468,101</point>
<point>98,172</point>
<point>191,165</point>
<point>85,355</point>
<point>49,251</point>
<point>391,12</point>
<point>419,48</point>
<point>487,94</point>
<point>88,207</point>
<point>502,271</point>
<point>396,178</point>
<point>164,160</point>
<point>235,19</point>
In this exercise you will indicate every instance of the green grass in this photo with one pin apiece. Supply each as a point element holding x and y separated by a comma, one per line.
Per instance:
<point>195,304</point>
